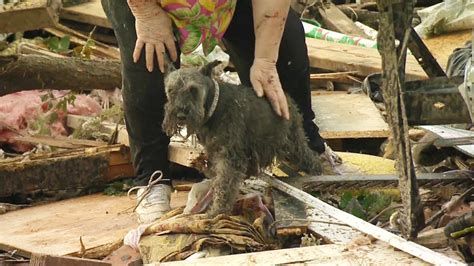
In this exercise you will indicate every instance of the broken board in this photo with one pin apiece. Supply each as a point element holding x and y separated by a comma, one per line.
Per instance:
<point>90,13</point>
<point>55,228</point>
<point>442,46</point>
<point>344,57</point>
<point>28,15</point>
<point>342,116</point>
<point>451,133</point>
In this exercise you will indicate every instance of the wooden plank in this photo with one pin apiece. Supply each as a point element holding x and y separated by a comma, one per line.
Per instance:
<point>396,241</point>
<point>90,13</point>
<point>48,260</point>
<point>60,142</point>
<point>336,20</point>
<point>55,228</point>
<point>348,116</point>
<point>334,254</point>
<point>344,57</point>
<point>448,132</point>
<point>28,15</point>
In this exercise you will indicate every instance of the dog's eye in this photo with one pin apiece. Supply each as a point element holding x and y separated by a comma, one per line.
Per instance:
<point>194,90</point>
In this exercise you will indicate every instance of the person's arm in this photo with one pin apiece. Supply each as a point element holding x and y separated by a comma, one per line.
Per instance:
<point>154,32</point>
<point>269,23</point>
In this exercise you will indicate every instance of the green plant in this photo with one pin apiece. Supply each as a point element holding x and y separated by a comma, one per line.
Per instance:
<point>58,45</point>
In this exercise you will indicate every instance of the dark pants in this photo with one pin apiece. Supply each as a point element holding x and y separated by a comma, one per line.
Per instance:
<point>144,96</point>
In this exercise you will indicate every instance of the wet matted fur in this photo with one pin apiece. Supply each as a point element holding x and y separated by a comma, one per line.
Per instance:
<point>242,136</point>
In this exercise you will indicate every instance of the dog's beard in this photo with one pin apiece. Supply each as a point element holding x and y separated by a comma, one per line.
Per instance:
<point>173,126</point>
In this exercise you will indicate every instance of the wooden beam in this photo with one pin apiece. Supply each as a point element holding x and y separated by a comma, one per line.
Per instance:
<point>29,15</point>
<point>344,57</point>
<point>395,20</point>
<point>398,242</point>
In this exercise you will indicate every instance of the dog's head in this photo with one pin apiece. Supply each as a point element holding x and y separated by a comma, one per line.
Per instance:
<point>187,91</point>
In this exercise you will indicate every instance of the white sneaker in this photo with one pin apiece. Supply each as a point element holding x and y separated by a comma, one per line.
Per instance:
<point>153,200</point>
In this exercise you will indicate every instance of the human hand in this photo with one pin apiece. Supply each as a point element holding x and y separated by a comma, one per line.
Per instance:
<point>154,32</point>
<point>265,81</point>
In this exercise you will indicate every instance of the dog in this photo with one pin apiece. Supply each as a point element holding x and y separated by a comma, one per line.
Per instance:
<point>240,132</point>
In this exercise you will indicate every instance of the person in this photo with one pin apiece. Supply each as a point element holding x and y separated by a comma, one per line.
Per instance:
<point>266,43</point>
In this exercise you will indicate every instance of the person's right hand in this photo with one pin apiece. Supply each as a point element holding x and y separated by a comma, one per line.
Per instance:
<point>154,32</point>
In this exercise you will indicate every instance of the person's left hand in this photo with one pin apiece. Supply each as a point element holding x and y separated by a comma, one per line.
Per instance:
<point>265,81</point>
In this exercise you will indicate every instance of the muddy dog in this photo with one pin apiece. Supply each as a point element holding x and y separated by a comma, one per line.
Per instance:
<point>240,132</point>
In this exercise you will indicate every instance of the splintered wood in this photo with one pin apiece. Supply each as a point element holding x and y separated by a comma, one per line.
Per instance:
<point>28,15</point>
<point>342,116</point>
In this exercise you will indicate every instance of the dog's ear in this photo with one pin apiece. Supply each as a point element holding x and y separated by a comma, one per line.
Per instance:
<point>206,70</point>
<point>169,66</point>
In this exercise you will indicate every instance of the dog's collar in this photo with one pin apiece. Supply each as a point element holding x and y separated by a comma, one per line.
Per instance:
<point>212,109</point>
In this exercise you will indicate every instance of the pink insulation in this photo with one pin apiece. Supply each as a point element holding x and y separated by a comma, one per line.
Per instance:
<point>20,108</point>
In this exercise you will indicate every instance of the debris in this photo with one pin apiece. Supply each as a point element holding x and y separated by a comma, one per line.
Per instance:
<point>451,133</point>
<point>458,60</point>
<point>57,73</point>
<point>246,231</point>
<point>63,174</point>
<point>6,207</point>
<point>407,246</point>
<point>323,254</point>
<point>336,20</point>
<point>90,12</point>
<point>393,63</point>
<point>434,238</point>
<point>36,112</point>
<point>460,233</point>
<point>125,256</point>
<point>55,228</point>
<point>314,30</point>
<point>342,57</point>
<point>28,15</point>
<point>342,116</point>
<point>445,17</point>
<point>50,260</point>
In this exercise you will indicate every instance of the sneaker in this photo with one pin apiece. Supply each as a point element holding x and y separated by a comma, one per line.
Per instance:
<point>153,200</point>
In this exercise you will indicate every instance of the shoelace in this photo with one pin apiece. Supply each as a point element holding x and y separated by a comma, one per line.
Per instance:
<point>146,188</point>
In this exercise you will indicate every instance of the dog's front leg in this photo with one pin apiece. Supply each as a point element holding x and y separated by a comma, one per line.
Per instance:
<point>226,184</point>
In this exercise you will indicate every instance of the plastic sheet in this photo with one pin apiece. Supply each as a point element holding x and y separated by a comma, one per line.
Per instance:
<point>451,15</point>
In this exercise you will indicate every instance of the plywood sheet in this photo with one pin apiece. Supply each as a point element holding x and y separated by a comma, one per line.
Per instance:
<point>442,46</point>
<point>55,228</point>
<point>345,57</point>
<point>90,13</point>
<point>341,116</point>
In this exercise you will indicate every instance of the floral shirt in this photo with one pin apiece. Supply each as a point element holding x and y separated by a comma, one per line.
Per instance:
<point>200,21</point>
